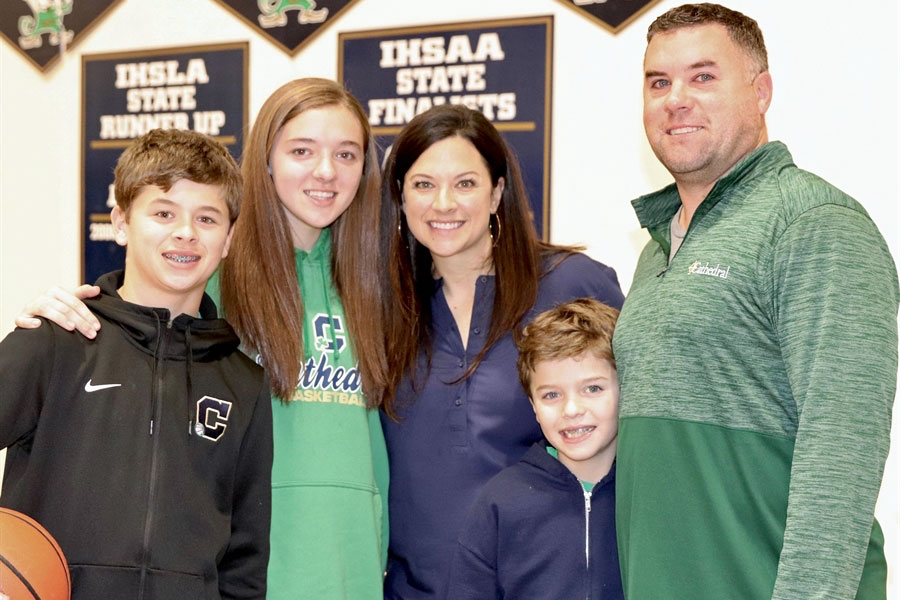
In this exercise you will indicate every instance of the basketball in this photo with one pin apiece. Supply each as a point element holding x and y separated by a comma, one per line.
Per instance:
<point>32,565</point>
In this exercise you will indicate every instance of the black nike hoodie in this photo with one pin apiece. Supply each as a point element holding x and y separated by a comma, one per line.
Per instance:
<point>146,452</point>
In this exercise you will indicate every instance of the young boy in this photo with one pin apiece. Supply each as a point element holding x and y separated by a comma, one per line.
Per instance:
<point>545,527</point>
<point>147,452</point>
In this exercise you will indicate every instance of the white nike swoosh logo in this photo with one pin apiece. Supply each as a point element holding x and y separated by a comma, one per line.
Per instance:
<point>88,387</point>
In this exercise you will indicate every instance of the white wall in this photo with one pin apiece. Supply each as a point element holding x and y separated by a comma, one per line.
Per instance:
<point>836,103</point>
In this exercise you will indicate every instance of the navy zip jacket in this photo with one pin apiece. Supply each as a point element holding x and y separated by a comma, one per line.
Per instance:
<point>146,452</point>
<point>535,533</point>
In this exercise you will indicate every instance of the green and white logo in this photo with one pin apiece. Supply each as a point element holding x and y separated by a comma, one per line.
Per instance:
<point>699,268</point>
<point>274,12</point>
<point>47,17</point>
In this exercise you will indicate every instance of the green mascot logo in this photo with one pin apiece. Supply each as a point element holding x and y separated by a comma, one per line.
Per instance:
<point>46,17</point>
<point>274,12</point>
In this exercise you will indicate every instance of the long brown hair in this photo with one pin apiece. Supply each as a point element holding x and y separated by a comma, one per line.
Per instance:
<point>260,295</point>
<point>516,255</point>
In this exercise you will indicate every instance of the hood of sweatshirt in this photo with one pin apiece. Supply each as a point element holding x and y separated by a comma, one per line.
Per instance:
<point>206,337</point>
<point>187,339</point>
<point>556,472</point>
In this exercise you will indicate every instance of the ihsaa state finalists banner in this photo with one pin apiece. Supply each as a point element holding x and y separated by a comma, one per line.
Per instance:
<point>125,95</point>
<point>502,68</point>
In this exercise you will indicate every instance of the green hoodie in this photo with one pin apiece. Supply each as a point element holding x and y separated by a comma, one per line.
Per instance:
<point>757,372</point>
<point>330,474</point>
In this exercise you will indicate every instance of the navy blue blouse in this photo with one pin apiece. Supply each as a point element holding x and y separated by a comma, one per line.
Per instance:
<point>452,438</point>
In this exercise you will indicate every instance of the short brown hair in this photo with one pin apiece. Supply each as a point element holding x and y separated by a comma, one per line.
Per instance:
<point>162,157</point>
<point>743,30</point>
<point>566,331</point>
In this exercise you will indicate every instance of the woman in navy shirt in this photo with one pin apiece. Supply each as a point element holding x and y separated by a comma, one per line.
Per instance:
<point>467,269</point>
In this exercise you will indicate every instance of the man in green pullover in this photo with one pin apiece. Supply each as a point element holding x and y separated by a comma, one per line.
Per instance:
<point>757,347</point>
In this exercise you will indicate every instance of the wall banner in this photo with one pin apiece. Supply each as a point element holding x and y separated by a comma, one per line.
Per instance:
<point>611,14</point>
<point>125,95</point>
<point>41,29</point>
<point>502,68</point>
<point>289,24</point>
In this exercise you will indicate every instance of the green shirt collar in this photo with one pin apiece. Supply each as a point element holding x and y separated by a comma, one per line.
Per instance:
<point>587,485</point>
<point>656,209</point>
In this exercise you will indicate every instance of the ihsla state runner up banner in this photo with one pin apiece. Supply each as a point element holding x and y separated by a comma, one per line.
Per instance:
<point>502,68</point>
<point>125,95</point>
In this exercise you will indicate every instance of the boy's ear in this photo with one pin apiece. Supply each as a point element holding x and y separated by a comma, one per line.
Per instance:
<point>228,241</point>
<point>120,225</point>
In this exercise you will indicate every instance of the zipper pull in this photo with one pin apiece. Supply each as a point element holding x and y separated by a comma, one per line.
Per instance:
<point>587,528</point>
<point>151,427</point>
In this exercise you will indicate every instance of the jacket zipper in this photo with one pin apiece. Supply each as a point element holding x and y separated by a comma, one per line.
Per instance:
<point>587,539</point>
<point>683,240</point>
<point>155,419</point>
<point>668,262</point>
<point>587,527</point>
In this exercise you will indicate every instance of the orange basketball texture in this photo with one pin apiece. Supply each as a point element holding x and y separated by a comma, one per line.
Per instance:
<point>32,564</point>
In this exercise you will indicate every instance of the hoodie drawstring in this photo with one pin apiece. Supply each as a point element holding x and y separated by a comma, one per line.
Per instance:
<point>190,384</point>
<point>156,358</point>
<point>326,285</point>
